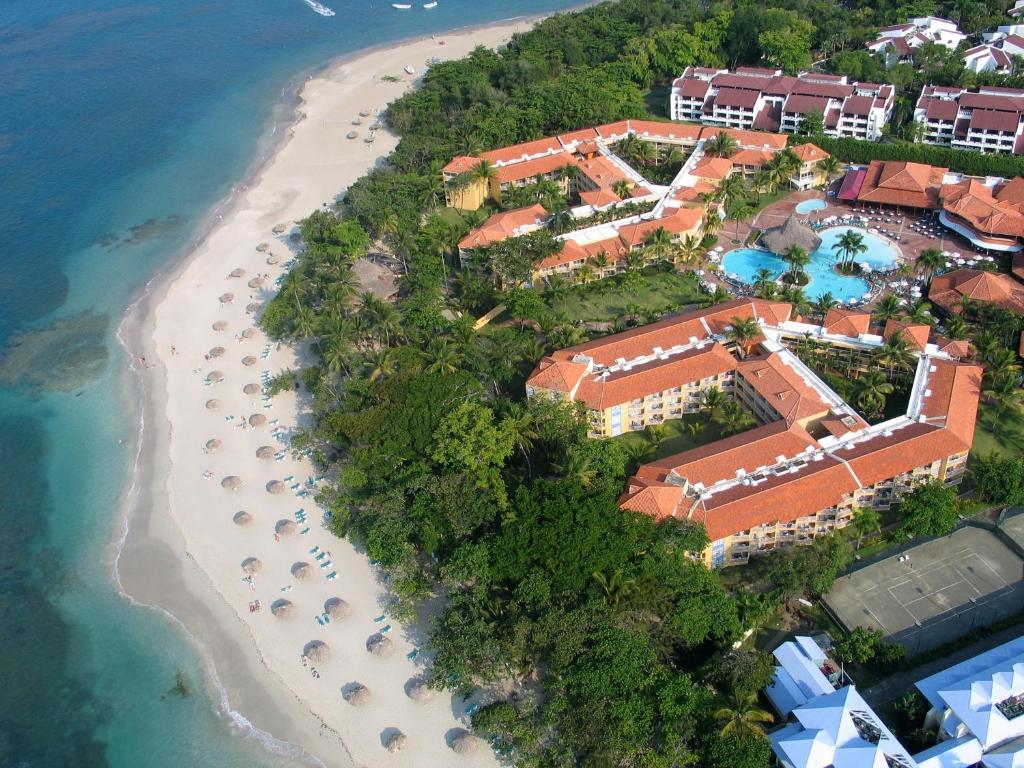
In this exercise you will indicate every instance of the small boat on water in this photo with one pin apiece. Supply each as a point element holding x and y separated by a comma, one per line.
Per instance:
<point>323,10</point>
<point>401,6</point>
<point>430,5</point>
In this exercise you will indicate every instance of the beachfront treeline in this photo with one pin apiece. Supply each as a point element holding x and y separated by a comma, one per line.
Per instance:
<point>619,644</point>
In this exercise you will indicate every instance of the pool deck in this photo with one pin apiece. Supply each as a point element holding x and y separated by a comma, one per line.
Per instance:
<point>910,243</point>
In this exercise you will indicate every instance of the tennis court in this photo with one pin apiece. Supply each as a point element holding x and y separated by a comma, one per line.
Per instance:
<point>934,592</point>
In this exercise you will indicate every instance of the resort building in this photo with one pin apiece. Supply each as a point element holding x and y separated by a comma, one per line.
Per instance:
<point>584,165</point>
<point>978,707</point>
<point>948,291</point>
<point>988,58</point>
<point>811,461</point>
<point>898,42</point>
<point>988,212</point>
<point>766,99</point>
<point>988,119</point>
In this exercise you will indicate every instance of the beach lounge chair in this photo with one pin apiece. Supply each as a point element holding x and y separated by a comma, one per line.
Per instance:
<point>304,531</point>
<point>385,629</point>
<point>332,575</point>
<point>412,654</point>
<point>326,564</point>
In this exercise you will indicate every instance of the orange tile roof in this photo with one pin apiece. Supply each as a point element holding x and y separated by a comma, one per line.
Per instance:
<point>748,451</point>
<point>809,153</point>
<point>892,182</point>
<point>582,135</point>
<point>601,171</point>
<point>672,131</point>
<point>716,168</point>
<point>694,193</point>
<point>973,202</point>
<point>619,387</point>
<point>915,334</point>
<point>558,375</point>
<point>677,222</point>
<point>951,386</point>
<point>599,197</point>
<point>776,498</point>
<point>503,225</point>
<point>1017,266</point>
<point>517,152</point>
<point>530,168</point>
<point>569,252</point>
<point>1012,191</point>
<point>751,139</point>
<point>659,500</point>
<point>754,158</point>
<point>461,164</point>
<point>782,388</point>
<point>847,322</point>
<point>946,290</point>
<point>956,347</point>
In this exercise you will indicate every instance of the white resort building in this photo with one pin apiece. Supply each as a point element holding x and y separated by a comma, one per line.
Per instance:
<point>768,100</point>
<point>989,119</point>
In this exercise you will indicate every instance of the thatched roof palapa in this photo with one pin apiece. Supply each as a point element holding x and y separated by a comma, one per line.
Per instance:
<point>251,388</point>
<point>265,452</point>
<point>317,651</point>
<point>420,692</point>
<point>242,518</point>
<point>253,306</point>
<point>792,232</point>
<point>465,743</point>
<point>212,444</point>
<point>252,565</point>
<point>215,377</point>
<point>302,571</point>
<point>213,404</point>
<point>396,742</point>
<point>337,608</point>
<point>283,609</point>
<point>380,646</point>
<point>357,695</point>
<point>275,486</point>
<point>231,482</point>
<point>256,282</point>
<point>285,527</point>
<point>219,325</point>
<point>248,361</point>
<point>248,333</point>
<point>257,420</point>
<point>227,298</point>
<point>236,272</point>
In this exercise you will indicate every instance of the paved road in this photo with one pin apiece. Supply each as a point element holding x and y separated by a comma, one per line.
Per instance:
<point>896,685</point>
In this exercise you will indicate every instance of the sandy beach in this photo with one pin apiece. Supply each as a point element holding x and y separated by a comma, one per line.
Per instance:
<point>223,531</point>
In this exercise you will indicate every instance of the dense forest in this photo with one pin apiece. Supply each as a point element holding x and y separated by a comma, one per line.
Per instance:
<point>604,643</point>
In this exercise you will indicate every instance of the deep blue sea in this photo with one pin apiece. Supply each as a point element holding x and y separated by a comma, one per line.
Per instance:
<point>121,126</point>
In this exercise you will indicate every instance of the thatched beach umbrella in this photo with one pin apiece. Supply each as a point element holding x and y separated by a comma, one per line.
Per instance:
<point>275,486</point>
<point>216,352</point>
<point>337,608</point>
<point>792,232</point>
<point>263,247</point>
<point>220,325</point>
<point>302,571</point>
<point>271,260</point>
<point>285,527</point>
<point>283,609</point>
<point>231,482</point>
<point>252,307</point>
<point>465,743</point>
<point>257,420</point>
<point>227,298</point>
<point>420,692</point>
<point>248,333</point>
<point>213,405</point>
<point>242,518</point>
<point>212,444</point>
<point>251,388</point>
<point>248,361</point>
<point>252,565</point>
<point>236,272</point>
<point>396,742</point>
<point>280,229</point>
<point>317,651</point>
<point>265,452</point>
<point>256,282</point>
<point>215,377</point>
<point>380,646</point>
<point>357,695</point>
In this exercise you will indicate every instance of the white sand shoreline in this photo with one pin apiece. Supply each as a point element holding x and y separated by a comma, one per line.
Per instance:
<point>179,550</point>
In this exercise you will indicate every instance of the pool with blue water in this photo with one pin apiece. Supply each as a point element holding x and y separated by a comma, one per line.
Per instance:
<point>809,206</point>
<point>743,264</point>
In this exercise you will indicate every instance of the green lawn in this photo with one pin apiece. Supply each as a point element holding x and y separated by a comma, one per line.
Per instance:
<point>677,438</point>
<point>606,300</point>
<point>1006,436</point>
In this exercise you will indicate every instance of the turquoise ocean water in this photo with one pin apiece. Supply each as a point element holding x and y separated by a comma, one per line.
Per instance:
<point>121,126</point>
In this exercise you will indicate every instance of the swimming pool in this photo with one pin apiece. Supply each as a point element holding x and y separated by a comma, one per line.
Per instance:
<point>743,263</point>
<point>809,206</point>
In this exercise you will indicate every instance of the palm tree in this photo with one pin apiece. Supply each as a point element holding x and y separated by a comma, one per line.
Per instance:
<point>739,715</point>
<point>633,262</point>
<point>830,166</point>
<point>622,188</point>
<point>578,468</point>
<point>734,418</point>
<point>561,222</point>
<point>740,210</point>
<point>1001,364</point>
<point>523,426</point>
<point>1003,393</point>
<point>713,399</point>
<point>956,327</point>
<point>721,145</point>
<point>895,354</point>
<point>659,245</point>
<point>742,332</point>
<point>555,288</point>
<point>442,356</point>
<point>731,189</point>
<point>930,261</point>
<point>717,296</point>
<point>656,434</point>
<point>689,250</point>
<point>712,223</point>
<point>872,388</point>
<point>600,262</point>
<point>484,171</point>
<point>920,312</point>
<point>887,307</point>
<point>824,303</point>
<point>865,520</point>
<point>585,275</point>
<point>797,258</point>
<point>614,587</point>
<point>380,364</point>
<point>764,283</point>
<point>849,245</point>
